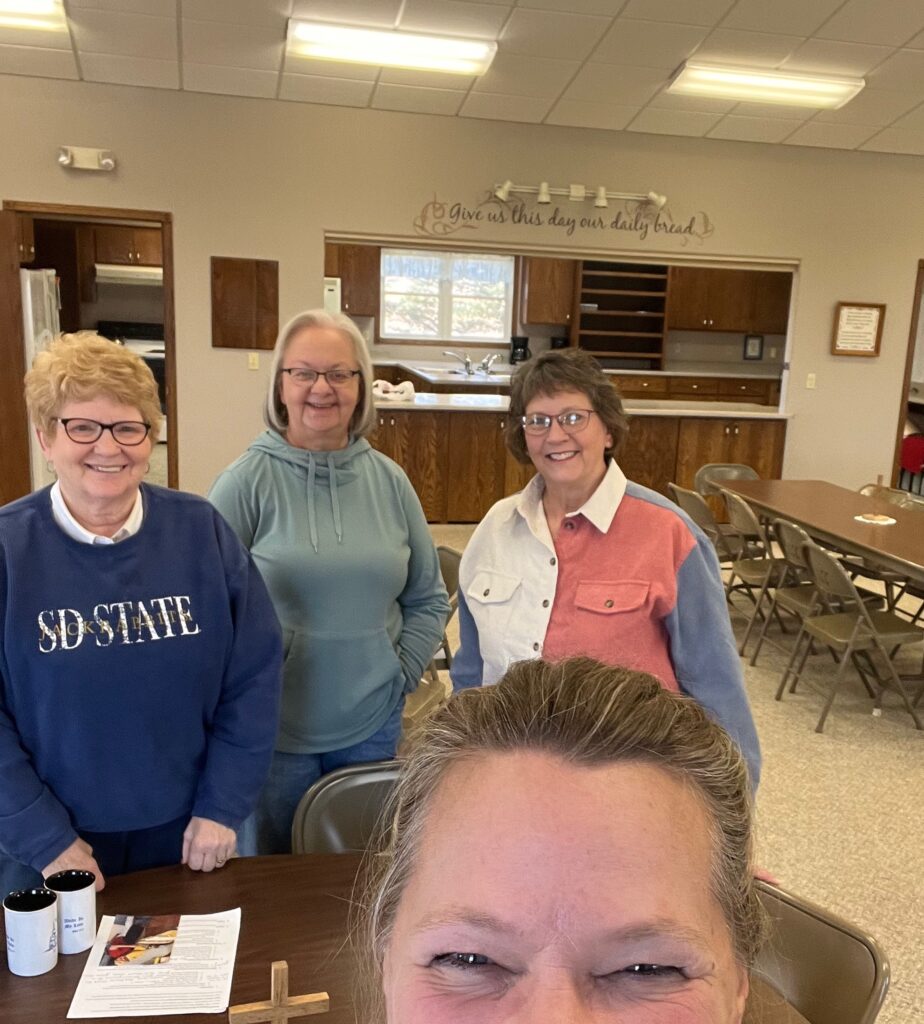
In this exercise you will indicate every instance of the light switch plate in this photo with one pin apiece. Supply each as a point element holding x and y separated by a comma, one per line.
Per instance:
<point>253,360</point>
<point>810,382</point>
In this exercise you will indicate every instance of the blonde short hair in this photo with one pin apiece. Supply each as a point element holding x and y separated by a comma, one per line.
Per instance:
<point>82,366</point>
<point>275,414</point>
<point>589,715</point>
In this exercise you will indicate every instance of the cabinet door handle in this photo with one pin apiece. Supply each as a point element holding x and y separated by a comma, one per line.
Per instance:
<point>726,431</point>
<point>736,431</point>
<point>131,258</point>
<point>695,387</point>
<point>31,250</point>
<point>644,383</point>
<point>743,387</point>
<point>392,421</point>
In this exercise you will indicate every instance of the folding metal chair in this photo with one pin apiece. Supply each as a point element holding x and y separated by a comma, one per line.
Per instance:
<point>708,478</point>
<point>725,538</point>
<point>854,634</point>
<point>449,570</point>
<point>759,573</point>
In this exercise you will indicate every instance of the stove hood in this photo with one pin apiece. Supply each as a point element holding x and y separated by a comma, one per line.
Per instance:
<point>119,273</point>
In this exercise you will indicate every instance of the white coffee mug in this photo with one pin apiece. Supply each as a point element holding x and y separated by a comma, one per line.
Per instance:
<point>76,892</point>
<point>31,920</point>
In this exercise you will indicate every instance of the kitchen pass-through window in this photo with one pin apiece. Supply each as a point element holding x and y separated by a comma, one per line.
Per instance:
<point>446,296</point>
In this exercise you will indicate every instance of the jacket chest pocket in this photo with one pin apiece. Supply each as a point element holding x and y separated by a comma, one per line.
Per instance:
<point>612,598</point>
<point>491,597</point>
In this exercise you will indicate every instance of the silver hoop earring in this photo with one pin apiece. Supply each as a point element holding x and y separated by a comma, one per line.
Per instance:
<point>50,466</point>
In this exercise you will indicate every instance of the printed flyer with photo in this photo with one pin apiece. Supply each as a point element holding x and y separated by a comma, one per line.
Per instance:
<point>143,965</point>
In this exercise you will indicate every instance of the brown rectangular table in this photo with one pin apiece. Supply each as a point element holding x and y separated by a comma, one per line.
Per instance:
<point>826,512</point>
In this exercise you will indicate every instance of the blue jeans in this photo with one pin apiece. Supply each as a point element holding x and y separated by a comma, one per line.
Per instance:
<point>269,828</point>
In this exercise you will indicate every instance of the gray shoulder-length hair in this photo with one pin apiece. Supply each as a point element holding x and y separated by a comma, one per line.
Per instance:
<point>275,414</point>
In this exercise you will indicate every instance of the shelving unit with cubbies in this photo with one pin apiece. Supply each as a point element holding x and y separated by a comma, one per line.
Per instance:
<point>620,313</point>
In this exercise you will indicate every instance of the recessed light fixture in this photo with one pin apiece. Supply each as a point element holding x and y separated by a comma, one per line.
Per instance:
<point>757,85</point>
<point>43,15</point>
<point>323,41</point>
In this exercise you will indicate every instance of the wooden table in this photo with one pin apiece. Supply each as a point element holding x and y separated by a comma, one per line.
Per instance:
<point>826,512</point>
<point>292,908</point>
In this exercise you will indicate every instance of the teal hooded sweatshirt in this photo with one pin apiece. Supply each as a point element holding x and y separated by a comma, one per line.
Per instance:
<point>343,546</point>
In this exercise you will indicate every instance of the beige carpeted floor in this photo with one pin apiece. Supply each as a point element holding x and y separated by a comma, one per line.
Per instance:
<point>841,814</point>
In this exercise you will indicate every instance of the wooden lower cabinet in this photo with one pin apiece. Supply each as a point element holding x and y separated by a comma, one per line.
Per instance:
<point>649,454</point>
<point>476,466</point>
<point>419,443</point>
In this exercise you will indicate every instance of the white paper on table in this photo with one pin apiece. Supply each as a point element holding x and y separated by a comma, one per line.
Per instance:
<point>196,978</point>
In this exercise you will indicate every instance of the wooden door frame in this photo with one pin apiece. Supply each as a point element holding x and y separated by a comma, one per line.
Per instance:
<point>51,211</point>
<point>906,383</point>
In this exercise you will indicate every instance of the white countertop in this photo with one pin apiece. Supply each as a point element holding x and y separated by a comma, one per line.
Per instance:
<point>638,407</point>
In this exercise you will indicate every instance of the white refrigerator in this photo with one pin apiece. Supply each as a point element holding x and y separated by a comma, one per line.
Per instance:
<point>40,305</point>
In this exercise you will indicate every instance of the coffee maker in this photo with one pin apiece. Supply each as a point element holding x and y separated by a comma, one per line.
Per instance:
<point>519,349</point>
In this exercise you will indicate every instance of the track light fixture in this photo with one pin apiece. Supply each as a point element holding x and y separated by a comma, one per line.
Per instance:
<point>577,194</point>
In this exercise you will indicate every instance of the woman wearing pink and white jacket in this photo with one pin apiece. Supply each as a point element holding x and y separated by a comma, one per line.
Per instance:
<point>583,561</point>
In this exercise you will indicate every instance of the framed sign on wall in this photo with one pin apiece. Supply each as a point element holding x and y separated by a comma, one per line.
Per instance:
<point>857,328</point>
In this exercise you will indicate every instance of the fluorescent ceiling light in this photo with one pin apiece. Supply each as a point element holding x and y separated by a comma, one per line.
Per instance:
<point>323,41</point>
<point>760,86</point>
<point>44,15</point>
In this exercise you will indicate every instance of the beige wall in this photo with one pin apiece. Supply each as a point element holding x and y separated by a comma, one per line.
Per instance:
<point>267,179</point>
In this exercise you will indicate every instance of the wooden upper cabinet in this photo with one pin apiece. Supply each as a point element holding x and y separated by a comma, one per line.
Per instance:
<point>548,290</point>
<point>357,266</point>
<point>245,303</point>
<point>25,237</point>
<point>116,243</point>
<point>717,299</point>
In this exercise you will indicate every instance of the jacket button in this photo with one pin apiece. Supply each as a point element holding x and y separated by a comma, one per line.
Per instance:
<point>535,647</point>
<point>545,603</point>
<point>552,561</point>
<point>608,603</point>
<point>488,591</point>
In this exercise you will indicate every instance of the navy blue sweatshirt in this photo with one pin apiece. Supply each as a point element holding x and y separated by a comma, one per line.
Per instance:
<point>140,681</point>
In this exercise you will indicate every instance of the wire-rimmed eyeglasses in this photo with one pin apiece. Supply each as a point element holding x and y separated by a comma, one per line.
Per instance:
<point>572,422</point>
<point>336,378</point>
<point>84,431</point>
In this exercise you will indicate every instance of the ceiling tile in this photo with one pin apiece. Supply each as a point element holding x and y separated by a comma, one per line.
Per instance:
<point>704,104</point>
<point>686,12</point>
<point>514,75</point>
<point>37,61</point>
<point>377,13</point>
<point>673,122</point>
<point>415,100</point>
<point>243,12</point>
<point>903,70</point>
<point>611,83</point>
<point>792,17</point>
<point>828,56</point>
<point>297,65</point>
<point>731,46</point>
<point>426,79</point>
<point>229,81</point>
<point>651,44</point>
<point>133,35</point>
<point>832,136</point>
<point>773,111</point>
<point>453,18</point>
<point>607,8</point>
<point>913,121</point>
<point>40,38</point>
<point>238,46</point>
<point>753,129</point>
<point>872,21</point>
<point>119,70</point>
<point>504,108</point>
<point>161,8</point>
<point>872,106</point>
<point>591,115</point>
<point>917,43</point>
<point>550,34</point>
<point>894,140</point>
<point>341,92</point>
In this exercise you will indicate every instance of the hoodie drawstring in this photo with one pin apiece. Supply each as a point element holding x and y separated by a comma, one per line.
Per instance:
<point>312,515</point>
<point>335,498</point>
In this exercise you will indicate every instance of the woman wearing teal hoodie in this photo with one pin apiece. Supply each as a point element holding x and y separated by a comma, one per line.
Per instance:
<point>340,538</point>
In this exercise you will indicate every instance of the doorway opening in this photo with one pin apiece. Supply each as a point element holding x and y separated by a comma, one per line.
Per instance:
<point>114,274</point>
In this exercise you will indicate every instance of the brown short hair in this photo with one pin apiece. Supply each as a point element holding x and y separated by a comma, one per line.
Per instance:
<point>568,370</point>
<point>82,366</point>
<point>589,715</point>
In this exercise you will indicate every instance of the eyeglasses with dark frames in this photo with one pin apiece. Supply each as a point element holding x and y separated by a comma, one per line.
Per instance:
<point>336,378</point>
<point>573,421</point>
<point>83,431</point>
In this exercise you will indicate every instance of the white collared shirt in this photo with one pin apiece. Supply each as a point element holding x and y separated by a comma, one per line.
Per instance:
<point>65,519</point>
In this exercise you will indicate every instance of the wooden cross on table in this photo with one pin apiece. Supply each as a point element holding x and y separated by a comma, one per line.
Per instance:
<point>279,1008</point>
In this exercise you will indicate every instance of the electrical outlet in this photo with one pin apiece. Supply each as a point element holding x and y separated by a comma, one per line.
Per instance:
<point>772,353</point>
<point>810,382</point>
<point>253,360</point>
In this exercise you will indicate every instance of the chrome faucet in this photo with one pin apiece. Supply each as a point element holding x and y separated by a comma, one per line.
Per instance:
<point>464,359</point>
<point>485,365</point>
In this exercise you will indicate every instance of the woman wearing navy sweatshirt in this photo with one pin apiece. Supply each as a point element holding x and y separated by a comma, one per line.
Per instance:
<point>139,651</point>
<point>340,538</point>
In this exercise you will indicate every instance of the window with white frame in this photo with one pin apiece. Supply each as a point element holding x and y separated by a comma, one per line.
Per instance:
<point>446,296</point>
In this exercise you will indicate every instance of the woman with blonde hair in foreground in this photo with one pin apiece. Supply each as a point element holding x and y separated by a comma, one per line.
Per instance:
<point>572,845</point>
